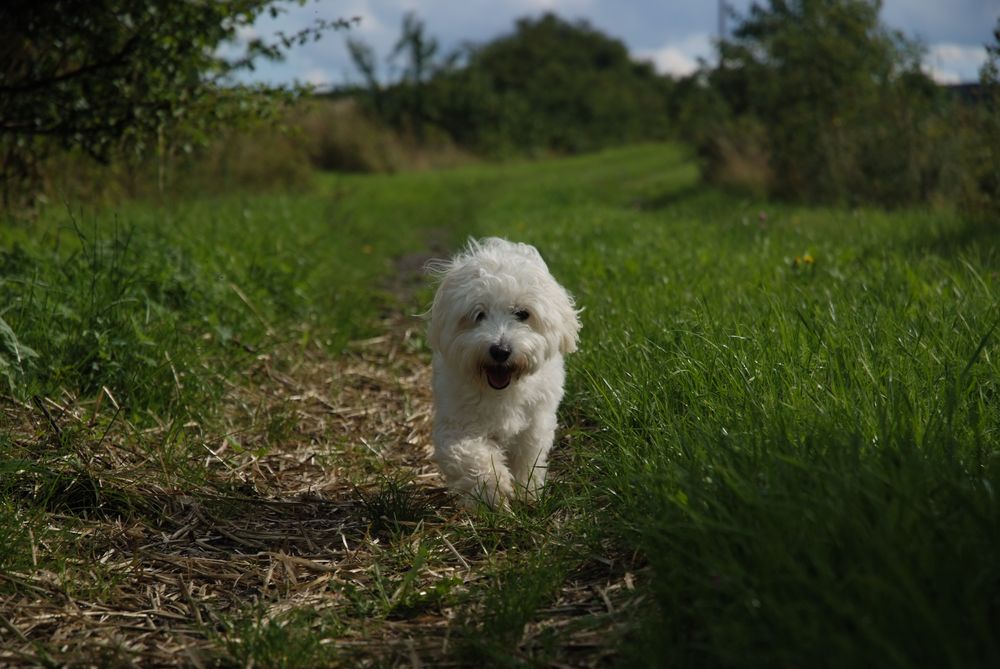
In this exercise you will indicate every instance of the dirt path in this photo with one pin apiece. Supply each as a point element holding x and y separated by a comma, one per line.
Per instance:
<point>323,530</point>
<point>296,525</point>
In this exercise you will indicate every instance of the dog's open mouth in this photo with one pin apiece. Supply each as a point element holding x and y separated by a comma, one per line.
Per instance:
<point>498,376</point>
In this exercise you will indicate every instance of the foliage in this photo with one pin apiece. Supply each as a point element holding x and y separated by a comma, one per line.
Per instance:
<point>792,412</point>
<point>551,84</point>
<point>847,113</point>
<point>420,51</point>
<point>136,300</point>
<point>312,135</point>
<point>981,197</point>
<point>780,444</point>
<point>103,77</point>
<point>14,355</point>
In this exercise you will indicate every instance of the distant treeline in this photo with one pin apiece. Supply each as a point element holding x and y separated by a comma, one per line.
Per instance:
<point>550,85</point>
<point>809,100</point>
<point>812,100</point>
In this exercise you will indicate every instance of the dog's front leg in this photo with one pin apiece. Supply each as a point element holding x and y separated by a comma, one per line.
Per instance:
<point>529,456</point>
<point>476,469</point>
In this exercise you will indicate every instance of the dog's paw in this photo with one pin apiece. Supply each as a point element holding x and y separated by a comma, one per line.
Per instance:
<point>495,492</point>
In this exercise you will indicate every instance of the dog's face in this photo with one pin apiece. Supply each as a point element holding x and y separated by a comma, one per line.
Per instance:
<point>498,314</point>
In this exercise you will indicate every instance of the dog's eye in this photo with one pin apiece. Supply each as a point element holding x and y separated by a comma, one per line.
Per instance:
<point>521,315</point>
<point>480,315</point>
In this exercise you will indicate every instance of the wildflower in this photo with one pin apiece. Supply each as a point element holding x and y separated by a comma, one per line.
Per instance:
<point>804,260</point>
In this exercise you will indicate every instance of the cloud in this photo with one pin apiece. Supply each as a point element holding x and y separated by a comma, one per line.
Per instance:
<point>954,63</point>
<point>936,22</point>
<point>673,35</point>
<point>318,77</point>
<point>679,58</point>
<point>246,33</point>
<point>670,60</point>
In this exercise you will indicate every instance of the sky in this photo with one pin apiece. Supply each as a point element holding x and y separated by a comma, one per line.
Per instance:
<point>672,34</point>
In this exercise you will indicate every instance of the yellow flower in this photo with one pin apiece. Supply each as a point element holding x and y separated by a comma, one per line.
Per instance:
<point>807,259</point>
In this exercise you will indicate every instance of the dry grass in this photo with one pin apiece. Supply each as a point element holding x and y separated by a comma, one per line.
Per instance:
<point>313,134</point>
<point>319,498</point>
<point>738,158</point>
<point>338,135</point>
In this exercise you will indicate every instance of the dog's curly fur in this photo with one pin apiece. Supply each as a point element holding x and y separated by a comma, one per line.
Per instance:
<point>499,327</point>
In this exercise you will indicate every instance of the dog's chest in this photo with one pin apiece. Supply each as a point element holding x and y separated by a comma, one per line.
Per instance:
<point>500,416</point>
<point>506,420</point>
<point>473,409</point>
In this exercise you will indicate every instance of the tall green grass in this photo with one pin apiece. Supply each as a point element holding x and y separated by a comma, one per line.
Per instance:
<point>794,413</point>
<point>790,415</point>
<point>155,303</point>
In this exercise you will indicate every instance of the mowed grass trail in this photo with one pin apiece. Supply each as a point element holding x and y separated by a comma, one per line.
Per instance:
<point>781,439</point>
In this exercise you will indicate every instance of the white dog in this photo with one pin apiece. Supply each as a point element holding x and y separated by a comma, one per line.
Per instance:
<point>499,327</point>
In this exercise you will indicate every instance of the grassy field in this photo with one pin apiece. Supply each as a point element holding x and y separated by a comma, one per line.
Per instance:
<point>780,443</point>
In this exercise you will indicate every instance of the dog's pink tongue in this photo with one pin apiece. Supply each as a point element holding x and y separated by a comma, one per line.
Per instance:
<point>498,377</point>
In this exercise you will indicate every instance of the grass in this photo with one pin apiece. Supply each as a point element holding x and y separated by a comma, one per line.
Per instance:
<point>781,439</point>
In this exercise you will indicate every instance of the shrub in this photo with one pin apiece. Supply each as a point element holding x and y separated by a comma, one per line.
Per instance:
<point>736,156</point>
<point>129,77</point>
<point>980,197</point>
<point>837,100</point>
<point>550,85</point>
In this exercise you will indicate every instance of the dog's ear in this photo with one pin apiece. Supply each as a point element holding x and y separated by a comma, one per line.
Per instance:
<point>437,316</point>
<point>433,329</point>
<point>570,336</point>
<point>439,271</point>
<point>568,322</point>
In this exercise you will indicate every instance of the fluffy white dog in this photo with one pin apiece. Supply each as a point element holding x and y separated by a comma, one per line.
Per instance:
<point>499,327</point>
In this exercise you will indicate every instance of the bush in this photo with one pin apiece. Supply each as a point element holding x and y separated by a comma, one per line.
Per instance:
<point>736,156</point>
<point>324,134</point>
<point>980,197</point>
<point>550,85</point>
<point>117,78</point>
<point>315,133</point>
<point>834,101</point>
<point>339,136</point>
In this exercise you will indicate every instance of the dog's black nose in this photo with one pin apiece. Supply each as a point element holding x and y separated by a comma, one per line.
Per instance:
<point>500,352</point>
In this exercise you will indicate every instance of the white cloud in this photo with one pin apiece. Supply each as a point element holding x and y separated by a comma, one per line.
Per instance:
<point>673,35</point>
<point>318,77</point>
<point>246,33</point>
<point>369,22</point>
<point>670,60</point>
<point>679,58</point>
<point>954,63</point>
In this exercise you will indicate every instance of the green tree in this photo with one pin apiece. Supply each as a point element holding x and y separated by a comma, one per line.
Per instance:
<point>103,76</point>
<point>581,88</point>
<point>981,196</point>
<point>550,84</point>
<point>419,50</point>
<point>363,57</point>
<point>837,93</point>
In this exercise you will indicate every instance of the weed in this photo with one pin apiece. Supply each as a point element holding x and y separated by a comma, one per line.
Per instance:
<point>283,642</point>
<point>394,506</point>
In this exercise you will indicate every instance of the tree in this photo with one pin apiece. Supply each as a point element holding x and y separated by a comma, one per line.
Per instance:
<point>833,88</point>
<point>981,199</point>
<point>102,76</point>
<point>551,84</point>
<point>420,50</point>
<point>363,57</point>
<point>579,87</point>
